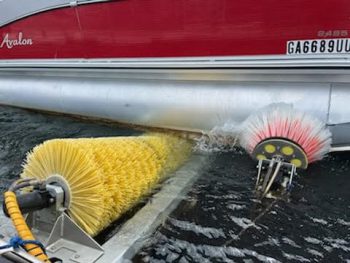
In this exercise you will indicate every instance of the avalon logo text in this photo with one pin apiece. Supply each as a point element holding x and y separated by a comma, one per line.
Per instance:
<point>10,42</point>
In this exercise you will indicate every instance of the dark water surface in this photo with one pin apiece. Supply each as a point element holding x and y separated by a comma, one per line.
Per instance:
<point>220,220</point>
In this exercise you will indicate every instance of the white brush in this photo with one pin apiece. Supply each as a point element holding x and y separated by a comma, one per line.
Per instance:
<point>283,121</point>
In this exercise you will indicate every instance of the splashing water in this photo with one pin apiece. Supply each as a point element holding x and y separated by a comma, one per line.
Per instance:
<point>219,139</point>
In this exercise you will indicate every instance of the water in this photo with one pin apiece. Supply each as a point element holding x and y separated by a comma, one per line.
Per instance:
<point>220,220</point>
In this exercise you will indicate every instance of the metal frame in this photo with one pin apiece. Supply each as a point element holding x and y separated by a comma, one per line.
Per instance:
<point>268,170</point>
<point>70,243</point>
<point>262,61</point>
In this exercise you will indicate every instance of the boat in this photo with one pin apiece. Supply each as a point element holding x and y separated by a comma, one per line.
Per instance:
<point>186,65</point>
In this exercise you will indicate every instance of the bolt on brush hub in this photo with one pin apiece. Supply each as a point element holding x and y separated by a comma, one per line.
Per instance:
<point>60,181</point>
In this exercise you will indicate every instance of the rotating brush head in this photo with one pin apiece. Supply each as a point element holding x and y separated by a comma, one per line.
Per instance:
<point>105,177</point>
<point>282,122</point>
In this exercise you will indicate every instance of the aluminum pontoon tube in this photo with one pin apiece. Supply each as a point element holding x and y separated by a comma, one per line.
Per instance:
<point>192,100</point>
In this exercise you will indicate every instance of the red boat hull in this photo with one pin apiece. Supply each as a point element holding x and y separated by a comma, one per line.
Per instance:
<point>167,28</point>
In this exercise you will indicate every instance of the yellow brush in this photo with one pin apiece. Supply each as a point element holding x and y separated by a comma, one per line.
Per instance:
<point>105,176</point>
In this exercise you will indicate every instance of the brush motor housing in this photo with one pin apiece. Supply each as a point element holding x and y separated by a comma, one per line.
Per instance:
<point>41,197</point>
<point>33,201</point>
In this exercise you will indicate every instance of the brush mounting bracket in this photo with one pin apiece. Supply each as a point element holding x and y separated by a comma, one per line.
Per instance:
<point>60,186</point>
<point>45,207</point>
<point>275,175</point>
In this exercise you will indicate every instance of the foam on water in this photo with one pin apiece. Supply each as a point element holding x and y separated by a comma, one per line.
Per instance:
<point>208,232</point>
<point>243,222</point>
<point>236,206</point>
<point>320,221</point>
<point>295,257</point>
<point>342,222</point>
<point>313,240</point>
<point>290,242</point>
<point>220,139</point>
<point>315,252</point>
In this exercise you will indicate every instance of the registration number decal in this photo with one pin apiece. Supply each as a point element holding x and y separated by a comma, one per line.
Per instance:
<point>318,46</point>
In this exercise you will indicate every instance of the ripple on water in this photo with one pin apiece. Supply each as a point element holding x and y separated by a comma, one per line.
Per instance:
<point>311,227</point>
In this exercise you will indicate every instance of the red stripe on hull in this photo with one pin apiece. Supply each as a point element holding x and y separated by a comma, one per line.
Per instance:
<point>168,28</point>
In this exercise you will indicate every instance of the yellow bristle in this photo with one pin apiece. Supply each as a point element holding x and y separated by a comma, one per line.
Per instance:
<point>106,176</point>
